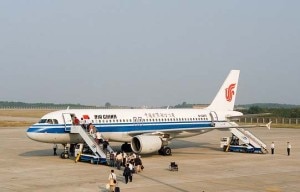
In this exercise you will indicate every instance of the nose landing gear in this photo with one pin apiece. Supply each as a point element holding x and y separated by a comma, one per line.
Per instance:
<point>65,154</point>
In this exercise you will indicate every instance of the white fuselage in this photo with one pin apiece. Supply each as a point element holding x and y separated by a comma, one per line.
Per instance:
<point>122,124</point>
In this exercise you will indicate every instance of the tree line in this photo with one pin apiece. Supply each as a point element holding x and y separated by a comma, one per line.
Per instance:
<point>12,104</point>
<point>274,112</point>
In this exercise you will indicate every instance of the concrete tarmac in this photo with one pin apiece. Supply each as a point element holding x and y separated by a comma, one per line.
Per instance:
<point>26,165</point>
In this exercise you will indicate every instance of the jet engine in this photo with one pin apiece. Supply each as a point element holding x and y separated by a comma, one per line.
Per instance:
<point>144,144</point>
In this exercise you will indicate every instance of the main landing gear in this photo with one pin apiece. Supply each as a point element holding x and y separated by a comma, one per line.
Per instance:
<point>165,151</point>
<point>126,147</point>
<point>65,154</point>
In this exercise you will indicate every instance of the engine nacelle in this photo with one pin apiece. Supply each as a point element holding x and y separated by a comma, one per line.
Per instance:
<point>144,144</point>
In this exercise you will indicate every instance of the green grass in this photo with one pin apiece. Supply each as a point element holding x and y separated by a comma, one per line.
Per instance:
<point>36,113</point>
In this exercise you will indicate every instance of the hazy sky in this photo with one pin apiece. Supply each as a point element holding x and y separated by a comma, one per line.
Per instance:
<point>149,53</point>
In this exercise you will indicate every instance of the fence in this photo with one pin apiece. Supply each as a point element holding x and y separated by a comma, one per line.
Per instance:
<point>274,120</point>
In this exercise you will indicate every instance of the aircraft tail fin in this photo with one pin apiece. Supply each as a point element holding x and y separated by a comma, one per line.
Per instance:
<point>225,98</point>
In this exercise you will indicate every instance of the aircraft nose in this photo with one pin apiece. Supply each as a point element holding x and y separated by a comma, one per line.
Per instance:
<point>31,133</point>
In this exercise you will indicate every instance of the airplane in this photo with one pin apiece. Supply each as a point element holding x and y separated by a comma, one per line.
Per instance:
<point>145,131</point>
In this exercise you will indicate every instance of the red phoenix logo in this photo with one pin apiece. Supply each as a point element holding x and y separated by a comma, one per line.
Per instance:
<point>229,92</point>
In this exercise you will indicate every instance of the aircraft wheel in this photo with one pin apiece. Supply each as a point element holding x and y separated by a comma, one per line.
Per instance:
<point>161,151</point>
<point>64,155</point>
<point>67,156</point>
<point>167,151</point>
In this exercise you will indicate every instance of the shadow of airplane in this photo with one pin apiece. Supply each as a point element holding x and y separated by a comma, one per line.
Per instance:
<point>175,144</point>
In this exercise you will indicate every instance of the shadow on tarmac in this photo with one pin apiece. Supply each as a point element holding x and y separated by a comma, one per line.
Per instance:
<point>36,153</point>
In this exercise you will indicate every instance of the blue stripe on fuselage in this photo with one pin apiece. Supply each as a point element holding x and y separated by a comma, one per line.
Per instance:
<point>123,127</point>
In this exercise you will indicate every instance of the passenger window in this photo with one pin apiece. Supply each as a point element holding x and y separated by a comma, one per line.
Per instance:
<point>55,121</point>
<point>49,121</point>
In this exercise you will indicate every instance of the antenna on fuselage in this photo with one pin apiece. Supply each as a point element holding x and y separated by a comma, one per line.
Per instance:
<point>68,107</point>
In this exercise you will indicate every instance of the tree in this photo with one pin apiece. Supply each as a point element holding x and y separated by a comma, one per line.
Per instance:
<point>255,110</point>
<point>107,105</point>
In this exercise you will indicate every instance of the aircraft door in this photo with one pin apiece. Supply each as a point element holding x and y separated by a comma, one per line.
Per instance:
<point>67,117</point>
<point>214,117</point>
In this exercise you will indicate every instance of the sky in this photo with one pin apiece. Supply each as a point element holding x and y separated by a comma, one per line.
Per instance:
<point>148,53</point>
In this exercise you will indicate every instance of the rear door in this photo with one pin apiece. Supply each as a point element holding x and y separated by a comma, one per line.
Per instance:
<point>214,117</point>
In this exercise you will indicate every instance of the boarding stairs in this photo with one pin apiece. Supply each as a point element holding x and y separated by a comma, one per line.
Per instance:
<point>251,141</point>
<point>90,141</point>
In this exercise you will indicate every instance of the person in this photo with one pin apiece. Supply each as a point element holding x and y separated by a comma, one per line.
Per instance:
<point>125,158</point>
<point>138,164</point>
<point>76,121</point>
<point>272,148</point>
<point>98,137</point>
<point>112,157</point>
<point>119,159</point>
<point>82,123</point>
<point>87,124</point>
<point>131,168</point>
<point>112,179</point>
<point>91,128</point>
<point>105,144</point>
<point>127,173</point>
<point>108,158</point>
<point>54,149</point>
<point>289,146</point>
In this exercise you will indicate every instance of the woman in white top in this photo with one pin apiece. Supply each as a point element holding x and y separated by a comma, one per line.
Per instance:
<point>112,179</point>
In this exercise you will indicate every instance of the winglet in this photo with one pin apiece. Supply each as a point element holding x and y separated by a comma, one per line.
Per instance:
<point>268,125</point>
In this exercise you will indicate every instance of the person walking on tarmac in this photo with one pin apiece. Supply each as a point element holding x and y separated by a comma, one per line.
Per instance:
<point>272,148</point>
<point>288,148</point>
<point>112,179</point>
<point>127,173</point>
<point>54,149</point>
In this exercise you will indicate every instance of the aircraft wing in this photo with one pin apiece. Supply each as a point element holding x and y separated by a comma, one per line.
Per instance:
<point>196,130</point>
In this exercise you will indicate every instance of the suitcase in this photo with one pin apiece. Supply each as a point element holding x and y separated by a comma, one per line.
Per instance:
<point>117,189</point>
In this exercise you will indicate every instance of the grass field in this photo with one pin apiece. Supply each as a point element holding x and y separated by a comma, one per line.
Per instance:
<point>21,113</point>
<point>24,112</point>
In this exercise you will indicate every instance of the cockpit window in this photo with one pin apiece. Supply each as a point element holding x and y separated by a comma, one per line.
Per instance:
<point>50,121</point>
<point>43,121</point>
